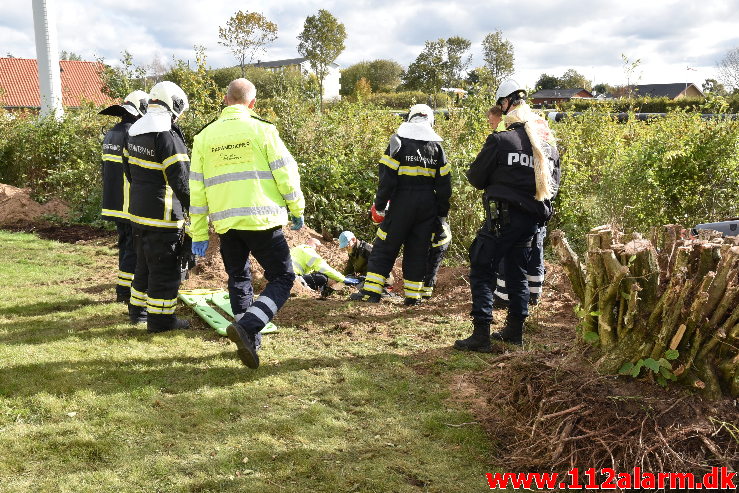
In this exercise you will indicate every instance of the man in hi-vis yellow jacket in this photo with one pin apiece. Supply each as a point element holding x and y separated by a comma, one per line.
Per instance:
<point>243,179</point>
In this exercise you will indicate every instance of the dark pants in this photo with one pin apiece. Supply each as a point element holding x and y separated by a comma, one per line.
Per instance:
<point>126,259</point>
<point>436,256</point>
<point>535,270</point>
<point>271,251</point>
<point>157,277</point>
<point>486,252</point>
<point>408,224</point>
<point>316,281</point>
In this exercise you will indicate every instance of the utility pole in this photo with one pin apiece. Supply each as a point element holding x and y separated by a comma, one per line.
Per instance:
<point>47,58</point>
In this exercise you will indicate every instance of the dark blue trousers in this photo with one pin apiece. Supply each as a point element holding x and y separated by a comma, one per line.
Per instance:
<point>535,270</point>
<point>270,249</point>
<point>486,252</point>
<point>126,259</point>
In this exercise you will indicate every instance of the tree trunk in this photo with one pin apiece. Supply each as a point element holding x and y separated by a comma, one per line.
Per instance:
<point>671,297</point>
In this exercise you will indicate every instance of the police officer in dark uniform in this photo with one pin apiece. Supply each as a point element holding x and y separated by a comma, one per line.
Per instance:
<point>414,176</point>
<point>520,174</point>
<point>158,167</point>
<point>115,186</point>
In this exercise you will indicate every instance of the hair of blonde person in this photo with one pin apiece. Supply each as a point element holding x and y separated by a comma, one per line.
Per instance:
<point>241,91</point>
<point>521,113</point>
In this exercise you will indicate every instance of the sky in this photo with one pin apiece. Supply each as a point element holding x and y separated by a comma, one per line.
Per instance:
<point>675,41</point>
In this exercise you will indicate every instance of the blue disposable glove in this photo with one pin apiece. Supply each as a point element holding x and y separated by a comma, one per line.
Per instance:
<point>297,223</point>
<point>199,248</point>
<point>351,281</point>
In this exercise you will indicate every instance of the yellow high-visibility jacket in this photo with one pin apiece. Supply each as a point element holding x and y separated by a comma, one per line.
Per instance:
<point>242,176</point>
<point>306,260</point>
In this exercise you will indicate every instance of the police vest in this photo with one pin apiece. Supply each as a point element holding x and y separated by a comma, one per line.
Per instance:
<point>512,176</point>
<point>115,183</point>
<point>242,176</point>
<point>157,165</point>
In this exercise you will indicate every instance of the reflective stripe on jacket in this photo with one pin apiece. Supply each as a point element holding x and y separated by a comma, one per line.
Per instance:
<point>115,183</point>
<point>157,165</point>
<point>242,176</point>
<point>306,260</point>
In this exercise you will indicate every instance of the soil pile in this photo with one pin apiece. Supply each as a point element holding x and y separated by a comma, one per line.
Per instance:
<point>17,207</point>
<point>211,273</point>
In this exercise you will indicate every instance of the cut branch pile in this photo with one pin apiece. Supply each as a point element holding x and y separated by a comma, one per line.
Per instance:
<point>552,415</point>
<point>664,306</point>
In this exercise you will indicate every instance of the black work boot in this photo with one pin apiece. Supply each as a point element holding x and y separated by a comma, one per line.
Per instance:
<point>412,301</point>
<point>367,296</point>
<point>479,340</point>
<point>152,327</point>
<point>137,314</point>
<point>246,345</point>
<point>533,299</point>
<point>122,295</point>
<point>512,331</point>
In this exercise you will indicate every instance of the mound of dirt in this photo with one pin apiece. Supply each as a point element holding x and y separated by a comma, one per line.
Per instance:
<point>210,272</point>
<point>17,207</point>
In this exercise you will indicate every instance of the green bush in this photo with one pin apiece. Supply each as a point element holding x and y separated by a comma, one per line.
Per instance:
<point>677,169</point>
<point>646,105</point>
<point>406,99</point>
<point>55,158</point>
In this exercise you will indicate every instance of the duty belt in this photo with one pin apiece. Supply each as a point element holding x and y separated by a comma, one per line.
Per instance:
<point>497,214</point>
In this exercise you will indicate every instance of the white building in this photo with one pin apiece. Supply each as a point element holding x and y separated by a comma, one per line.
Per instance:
<point>331,83</point>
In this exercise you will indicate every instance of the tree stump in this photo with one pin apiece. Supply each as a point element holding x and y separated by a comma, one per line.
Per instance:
<point>664,307</point>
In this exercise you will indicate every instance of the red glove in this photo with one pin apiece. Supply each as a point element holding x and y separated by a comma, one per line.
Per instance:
<point>376,216</point>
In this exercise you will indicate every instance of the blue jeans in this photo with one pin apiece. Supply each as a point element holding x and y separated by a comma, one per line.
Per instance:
<point>487,250</point>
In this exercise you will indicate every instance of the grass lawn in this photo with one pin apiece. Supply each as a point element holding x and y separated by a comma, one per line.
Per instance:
<point>89,402</point>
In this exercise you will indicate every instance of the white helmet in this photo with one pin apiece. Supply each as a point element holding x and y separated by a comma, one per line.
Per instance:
<point>422,113</point>
<point>169,95</point>
<point>136,103</point>
<point>509,88</point>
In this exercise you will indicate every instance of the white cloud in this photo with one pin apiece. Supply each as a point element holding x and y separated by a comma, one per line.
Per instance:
<point>548,36</point>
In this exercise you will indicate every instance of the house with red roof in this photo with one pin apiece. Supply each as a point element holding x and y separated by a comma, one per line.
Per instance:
<point>19,87</point>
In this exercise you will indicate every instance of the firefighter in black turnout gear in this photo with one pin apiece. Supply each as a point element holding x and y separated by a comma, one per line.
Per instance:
<point>519,173</point>
<point>116,186</point>
<point>414,178</point>
<point>158,167</point>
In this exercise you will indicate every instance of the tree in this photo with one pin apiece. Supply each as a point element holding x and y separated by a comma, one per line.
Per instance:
<point>362,89</point>
<point>603,88</point>
<point>479,79</point>
<point>321,42</point>
<point>630,72</point>
<point>728,68</point>
<point>245,33</point>
<point>457,59</point>
<point>714,87</point>
<point>70,55</point>
<point>498,56</point>
<point>383,75</point>
<point>572,79</point>
<point>547,81</point>
<point>122,80</point>
<point>157,68</point>
<point>428,70</point>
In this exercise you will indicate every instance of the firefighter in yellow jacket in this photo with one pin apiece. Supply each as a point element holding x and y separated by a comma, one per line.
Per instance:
<point>243,179</point>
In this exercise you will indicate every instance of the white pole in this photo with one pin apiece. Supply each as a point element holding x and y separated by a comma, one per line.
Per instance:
<point>47,58</point>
